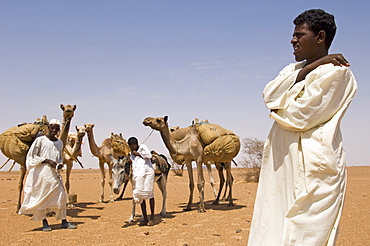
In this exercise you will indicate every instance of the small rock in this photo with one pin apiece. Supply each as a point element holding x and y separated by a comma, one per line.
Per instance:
<point>146,233</point>
<point>239,231</point>
<point>217,235</point>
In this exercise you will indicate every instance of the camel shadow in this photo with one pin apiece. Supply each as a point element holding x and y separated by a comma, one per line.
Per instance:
<point>78,208</point>
<point>223,205</point>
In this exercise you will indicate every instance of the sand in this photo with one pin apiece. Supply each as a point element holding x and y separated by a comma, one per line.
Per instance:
<point>106,223</point>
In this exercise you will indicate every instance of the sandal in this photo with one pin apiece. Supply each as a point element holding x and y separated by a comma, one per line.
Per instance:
<point>46,228</point>
<point>69,226</point>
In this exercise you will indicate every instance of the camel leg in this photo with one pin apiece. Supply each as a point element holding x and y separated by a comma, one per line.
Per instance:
<point>230,181</point>
<point>123,191</point>
<point>191,185</point>
<point>67,184</point>
<point>200,184</point>
<point>5,163</point>
<point>133,211</point>
<point>110,174</point>
<point>222,181</point>
<point>211,180</point>
<point>162,183</point>
<point>20,186</point>
<point>102,171</point>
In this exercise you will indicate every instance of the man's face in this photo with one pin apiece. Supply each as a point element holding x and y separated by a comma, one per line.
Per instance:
<point>133,147</point>
<point>304,43</point>
<point>54,129</point>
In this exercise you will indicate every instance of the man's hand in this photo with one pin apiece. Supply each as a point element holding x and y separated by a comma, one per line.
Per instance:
<point>135,153</point>
<point>52,163</point>
<point>335,59</point>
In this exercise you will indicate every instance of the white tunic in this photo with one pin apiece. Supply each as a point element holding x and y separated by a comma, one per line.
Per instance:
<point>302,182</point>
<point>43,190</point>
<point>143,175</point>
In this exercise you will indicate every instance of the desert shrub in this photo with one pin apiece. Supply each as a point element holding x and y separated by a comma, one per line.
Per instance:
<point>177,169</point>
<point>252,149</point>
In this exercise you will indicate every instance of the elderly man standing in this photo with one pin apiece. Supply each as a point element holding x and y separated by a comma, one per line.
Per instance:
<point>302,182</point>
<point>44,192</point>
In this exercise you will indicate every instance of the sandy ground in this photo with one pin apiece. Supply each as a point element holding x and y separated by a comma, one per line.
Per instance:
<point>106,223</point>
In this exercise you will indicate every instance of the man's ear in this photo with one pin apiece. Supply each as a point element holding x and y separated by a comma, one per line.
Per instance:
<point>321,36</point>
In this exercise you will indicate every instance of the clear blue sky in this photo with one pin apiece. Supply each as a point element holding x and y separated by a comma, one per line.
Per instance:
<point>121,61</point>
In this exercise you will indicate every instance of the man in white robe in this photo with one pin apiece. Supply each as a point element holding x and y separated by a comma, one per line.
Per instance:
<point>44,192</point>
<point>302,182</point>
<point>142,178</point>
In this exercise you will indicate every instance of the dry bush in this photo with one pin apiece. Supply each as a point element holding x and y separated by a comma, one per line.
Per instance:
<point>177,169</point>
<point>252,159</point>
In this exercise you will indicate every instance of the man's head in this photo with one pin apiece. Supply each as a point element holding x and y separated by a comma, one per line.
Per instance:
<point>54,127</point>
<point>318,20</point>
<point>314,32</point>
<point>133,143</point>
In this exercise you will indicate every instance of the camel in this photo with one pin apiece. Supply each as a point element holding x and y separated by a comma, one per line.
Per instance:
<point>180,160</point>
<point>15,143</point>
<point>191,148</point>
<point>116,145</point>
<point>122,172</point>
<point>72,150</point>
<point>68,113</point>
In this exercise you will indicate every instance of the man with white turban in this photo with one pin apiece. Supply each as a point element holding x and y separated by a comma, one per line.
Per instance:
<point>44,192</point>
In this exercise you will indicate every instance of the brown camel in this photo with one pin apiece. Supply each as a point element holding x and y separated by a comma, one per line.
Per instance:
<point>191,148</point>
<point>72,150</point>
<point>15,142</point>
<point>116,146</point>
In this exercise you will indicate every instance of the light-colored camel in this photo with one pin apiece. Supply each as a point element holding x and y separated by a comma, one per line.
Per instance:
<point>116,145</point>
<point>189,147</point>
<point>122,172</point>
<point>192,150</point>
<point>180,160</point>
<point>72,150</point>
<point>15,143</point>
<point>179,133</point>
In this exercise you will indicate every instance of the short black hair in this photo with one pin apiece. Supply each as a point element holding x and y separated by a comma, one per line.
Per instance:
<point>132,140</point>
<point>318,20</point>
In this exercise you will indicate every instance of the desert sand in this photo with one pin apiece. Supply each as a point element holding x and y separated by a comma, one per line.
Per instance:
<point>106,223</point>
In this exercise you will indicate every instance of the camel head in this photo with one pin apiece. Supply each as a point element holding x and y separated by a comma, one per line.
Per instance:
<point>68,111</point>
<point>81,131</point>
<point>122,169</point>
<point>158,124</point>
<point>119,144</point>
<point>89,128</point>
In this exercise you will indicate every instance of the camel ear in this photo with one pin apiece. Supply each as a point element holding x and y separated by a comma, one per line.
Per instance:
<point>74,107</point>
<point>165,118</point>
<point>76,128</point>
<point>62,106</point>
<point>112,134</point>
<point>120,134</point>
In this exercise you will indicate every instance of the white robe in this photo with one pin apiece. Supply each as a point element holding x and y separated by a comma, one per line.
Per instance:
<point>142,175</point>
<point>43,190</point>
<point>302,182</point>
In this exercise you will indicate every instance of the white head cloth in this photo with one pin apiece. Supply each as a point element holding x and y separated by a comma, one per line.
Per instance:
<point>54,121</point>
